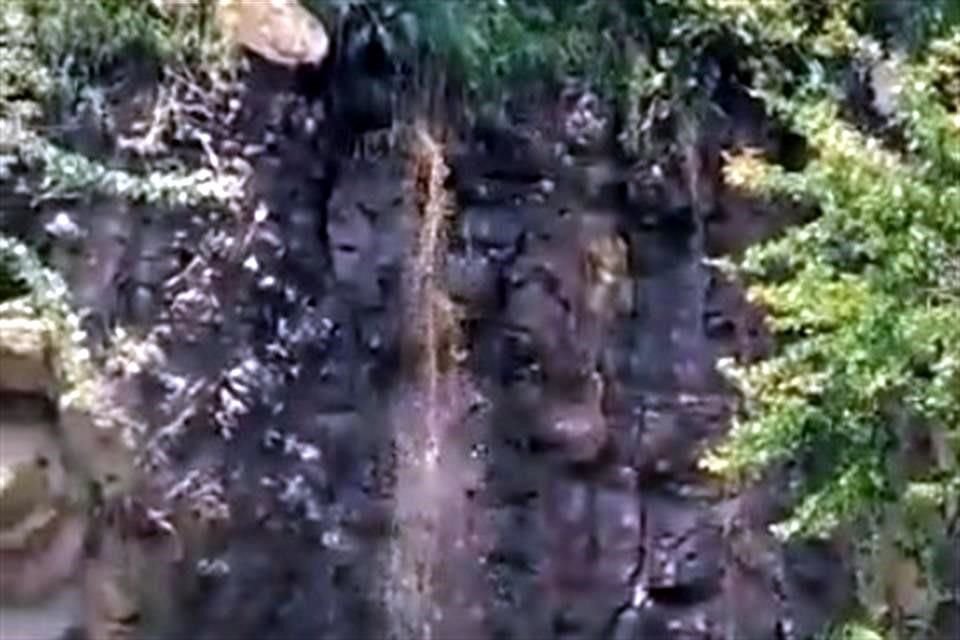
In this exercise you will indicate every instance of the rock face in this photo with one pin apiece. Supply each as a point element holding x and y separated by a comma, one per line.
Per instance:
<point>561,496</point>
<point>41,533</point>
<point>43,481</point>
<point>590,338</point>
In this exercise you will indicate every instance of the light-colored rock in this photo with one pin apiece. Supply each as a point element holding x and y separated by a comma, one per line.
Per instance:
<point>24,503</point>
<point>31,467</point>
<point>282,31</point>
<point>96,447</point>
<point>40,539</point>
<point>26,365</point>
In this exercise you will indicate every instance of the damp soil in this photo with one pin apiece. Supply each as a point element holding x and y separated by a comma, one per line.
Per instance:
<point>542,483</point>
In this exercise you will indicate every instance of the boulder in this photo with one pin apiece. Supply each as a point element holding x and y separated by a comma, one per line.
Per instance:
<point>281,31</point>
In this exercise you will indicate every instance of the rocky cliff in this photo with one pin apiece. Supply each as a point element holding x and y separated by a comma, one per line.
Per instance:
<point>538,480</point>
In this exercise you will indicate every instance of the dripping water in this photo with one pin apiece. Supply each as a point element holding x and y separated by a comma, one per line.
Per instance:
<point>426,409</point>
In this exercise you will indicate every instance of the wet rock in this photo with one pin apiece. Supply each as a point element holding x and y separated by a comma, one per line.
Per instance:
<point>119,603</point>
<point>335,381</point>
<point>672,428</point>
<point>569,503</point>
<point>663,447</point>
<point>510,479</point>
<point>751,609</point>
<point>684,548</point>
<point>517,539</point>
<point>155,267</point>
<point>379,334</point>
<point>533,309</point>
<point>353,248</point>
<point>560,513</point>
<point>472,279</point>
<point>717,326</point>
<point>818,585</point>
<point>626,625</point>
<point>140,305</point>
<point>492,230</point>
<point>690,563</point>
<point>366,516</point>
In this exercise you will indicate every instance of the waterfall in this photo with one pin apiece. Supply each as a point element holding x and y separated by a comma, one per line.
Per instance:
<point>425,410</point>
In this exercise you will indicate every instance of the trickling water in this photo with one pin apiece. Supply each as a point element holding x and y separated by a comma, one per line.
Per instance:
<point>424,411</point>
<point>433,311</point>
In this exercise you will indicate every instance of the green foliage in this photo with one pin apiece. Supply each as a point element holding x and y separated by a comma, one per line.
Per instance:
<point>856,631</point>
<point>866,302</point>
<point>81,39</point>
<point>23,79</point>
<point>54,52</point>
<point>13,284</point>
<point>491,44</point>
<point>496,43</point>
<point>71,175</point>
<point>23,274</point>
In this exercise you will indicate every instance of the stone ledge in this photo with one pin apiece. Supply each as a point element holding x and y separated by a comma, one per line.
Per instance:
<point>26,363</point>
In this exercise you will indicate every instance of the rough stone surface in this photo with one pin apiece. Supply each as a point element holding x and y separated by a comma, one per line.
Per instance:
<point>553,508</point>
<point>46,452</point>
<point>25,358</point>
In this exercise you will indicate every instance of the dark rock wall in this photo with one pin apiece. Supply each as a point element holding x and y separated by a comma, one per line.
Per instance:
<point>571,506</point>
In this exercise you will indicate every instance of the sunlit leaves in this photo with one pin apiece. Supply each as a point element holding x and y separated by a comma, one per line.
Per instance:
<point>866,302</point>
